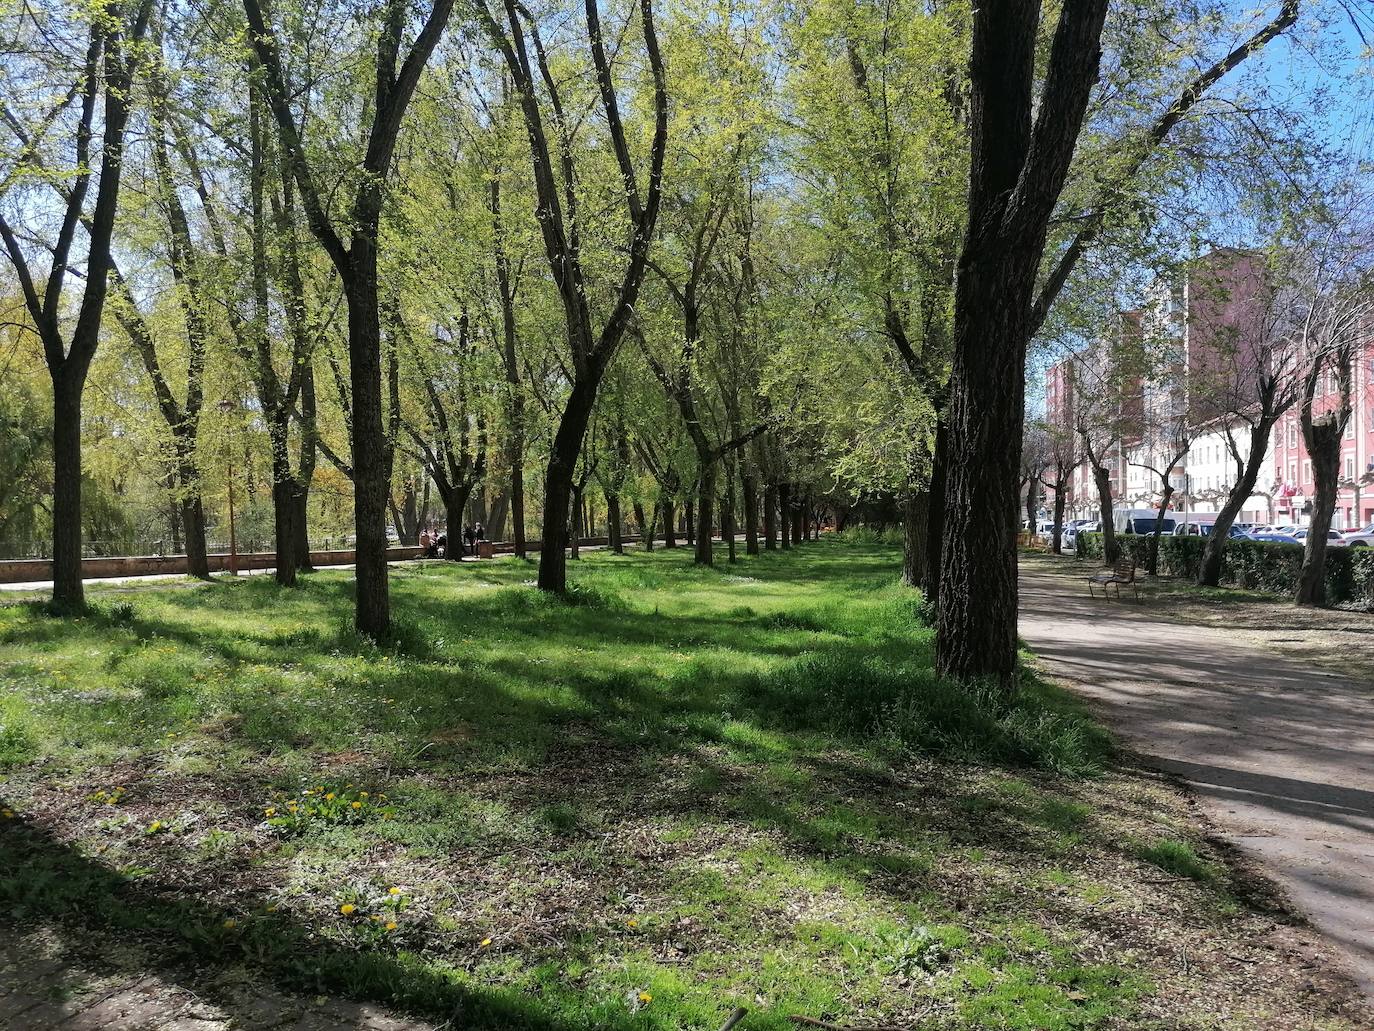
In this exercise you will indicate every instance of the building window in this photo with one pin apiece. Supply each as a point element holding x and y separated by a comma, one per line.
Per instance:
<point>1292,473</point>
<point>1307,472</point>
<point>1349,467</point>
<point>1292,435</point>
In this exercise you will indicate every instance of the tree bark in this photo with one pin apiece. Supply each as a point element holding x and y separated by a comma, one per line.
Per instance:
<point>1057,541</point>
<point>371,453</point>
<point>770,517</point>
<point>750,488</point>
<point>614,527</point>
<point>935,519</point>
<point>1209,571</point>
<point>785,516</point>
<point>558,486</point>
<point>669,523</point>
<point>690,530</point>
<point>915,547</point>
<point>68,593</point>
<point>1324,449</point>
<point>706,502</point>
<point>1152,555</point>
<point>1106,511</point>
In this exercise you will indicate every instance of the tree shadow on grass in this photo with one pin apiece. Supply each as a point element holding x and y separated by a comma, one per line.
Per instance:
<point>45,879</point>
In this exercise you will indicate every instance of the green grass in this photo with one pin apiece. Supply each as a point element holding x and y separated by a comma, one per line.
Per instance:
<point>683,790</point>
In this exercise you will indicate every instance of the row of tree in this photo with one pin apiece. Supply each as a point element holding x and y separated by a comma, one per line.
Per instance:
<point>708,252</point>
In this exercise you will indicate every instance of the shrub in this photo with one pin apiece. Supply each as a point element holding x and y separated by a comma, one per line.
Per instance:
<point>1268,566</point>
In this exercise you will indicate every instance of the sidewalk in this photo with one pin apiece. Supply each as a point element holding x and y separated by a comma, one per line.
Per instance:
<point>1280,755</point>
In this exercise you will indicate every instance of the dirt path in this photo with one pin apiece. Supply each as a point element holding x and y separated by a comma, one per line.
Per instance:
<point>1280,754</point>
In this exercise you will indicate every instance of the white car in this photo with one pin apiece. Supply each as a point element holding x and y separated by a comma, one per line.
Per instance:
<point>1333,538</point>
<point>1361,538</point>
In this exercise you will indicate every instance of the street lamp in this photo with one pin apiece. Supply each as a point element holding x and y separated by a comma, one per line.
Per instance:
<point>228,406</point>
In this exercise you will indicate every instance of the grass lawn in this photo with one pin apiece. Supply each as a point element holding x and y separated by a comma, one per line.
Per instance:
<point>684,791</point>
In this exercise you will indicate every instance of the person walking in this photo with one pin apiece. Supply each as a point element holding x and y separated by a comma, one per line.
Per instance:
<point>469,539</point>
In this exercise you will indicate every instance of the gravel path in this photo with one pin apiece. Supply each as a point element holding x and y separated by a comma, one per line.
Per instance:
<point>1280,754</point>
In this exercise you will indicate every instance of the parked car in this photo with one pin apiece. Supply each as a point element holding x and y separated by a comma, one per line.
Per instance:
<point>1071,529</point>
<point>1361,538</point>
<point>1273,538</point>
<point>1333,538</point>
<point>1191,529</point>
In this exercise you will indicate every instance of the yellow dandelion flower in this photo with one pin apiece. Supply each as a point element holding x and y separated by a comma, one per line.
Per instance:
<point>362,794</point>
<point>156,825</point>
<point>632,922</point>
<point>231,923</point>
<point>485,942</point>
<point>357,805</point>
<point>645,997</point>
<point>391,925</point>
<point>329,797</point>
<point>8,814</point>
<point>271,810</point>
<point>393,891</point>
<point>348,909</point>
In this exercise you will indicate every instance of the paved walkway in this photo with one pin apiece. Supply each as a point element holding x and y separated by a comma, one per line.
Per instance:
<point>1280,755</point>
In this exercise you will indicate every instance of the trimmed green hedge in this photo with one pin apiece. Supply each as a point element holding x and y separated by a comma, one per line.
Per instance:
<point>1255,565</point>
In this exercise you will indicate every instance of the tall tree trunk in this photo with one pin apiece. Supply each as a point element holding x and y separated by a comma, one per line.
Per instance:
<point>691,529</point>
<point>915,527</point>
<point>283,500</point>
<point>770,517</point>
<point>1324,449</point>
<point>455,501</point>
<point>785,515</point>
<point>1107,516</point>
<point>614,529</point>
<point>300,524</point>
<point>558,486</point>
<point>1057,542</point>
<point>646,531</point>
<point>575,539</point>
<point>1032,503</point>
<point>706,501</point>
<point>798,520</point>
<point>935,519</point>
<point>976,634</point>
<point>496,525</point>
<point>1152,555</point>
<point>1209,572</point>
<point>192,514</point>
<point>727,512</point>
<point>68,593</point>
<point>371,454</point>
<point>669,523</point>
<point>750,487</point>
<point>191,510</point>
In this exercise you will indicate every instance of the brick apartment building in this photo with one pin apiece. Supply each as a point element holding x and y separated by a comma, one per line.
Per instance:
<point>1205,336</point>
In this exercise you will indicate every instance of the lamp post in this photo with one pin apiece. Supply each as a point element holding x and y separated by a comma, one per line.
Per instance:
<point>228,406</point>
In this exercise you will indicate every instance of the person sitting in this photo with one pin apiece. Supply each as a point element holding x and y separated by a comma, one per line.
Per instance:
<point>440,546</point>
<point>469,539</point>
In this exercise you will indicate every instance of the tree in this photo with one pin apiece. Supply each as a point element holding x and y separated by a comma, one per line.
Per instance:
<point>1023,142</point>
<point>562,229</point>
<point>356,263</point>
<point>112,52</point>
<point>1336,315</point>
<point>1063,457</point>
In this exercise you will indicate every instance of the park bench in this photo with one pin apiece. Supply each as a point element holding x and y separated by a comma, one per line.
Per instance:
<point>1122,573</point>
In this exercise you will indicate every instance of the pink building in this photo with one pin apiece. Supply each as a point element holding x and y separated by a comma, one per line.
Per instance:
<point>1293,469</point>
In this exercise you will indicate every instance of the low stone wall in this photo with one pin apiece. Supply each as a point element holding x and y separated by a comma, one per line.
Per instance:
<point>27,570</point>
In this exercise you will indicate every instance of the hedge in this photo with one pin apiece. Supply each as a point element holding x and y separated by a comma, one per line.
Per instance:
<point>1254,565</point>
